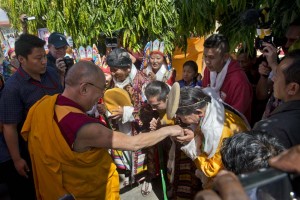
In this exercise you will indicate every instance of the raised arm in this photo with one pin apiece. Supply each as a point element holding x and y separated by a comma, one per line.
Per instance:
<point>96,135</point>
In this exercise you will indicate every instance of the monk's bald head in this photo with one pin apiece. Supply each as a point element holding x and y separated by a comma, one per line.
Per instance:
<point>83,71</point>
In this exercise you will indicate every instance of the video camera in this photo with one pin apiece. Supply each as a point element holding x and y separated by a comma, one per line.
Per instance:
<point>28,18</point>
<point>260,18</point>
<point>268,184</point>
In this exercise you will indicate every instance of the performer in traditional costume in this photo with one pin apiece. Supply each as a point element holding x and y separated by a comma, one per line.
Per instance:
<point>156,64</point>
<point>126,115</point>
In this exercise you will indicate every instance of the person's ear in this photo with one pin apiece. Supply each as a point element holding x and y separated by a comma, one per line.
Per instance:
<point>21,59</point>
<point>200,112</point>
<point>129,69</point>
<point>83,88</point>
<point>293,88</point>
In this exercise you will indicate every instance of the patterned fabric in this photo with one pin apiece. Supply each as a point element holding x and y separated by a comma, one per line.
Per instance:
<point>137,159</point>
<point>186,184</point>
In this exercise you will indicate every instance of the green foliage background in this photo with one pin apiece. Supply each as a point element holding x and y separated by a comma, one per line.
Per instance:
<point>173,21</point>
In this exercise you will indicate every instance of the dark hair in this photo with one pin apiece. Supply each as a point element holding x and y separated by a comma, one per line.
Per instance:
<point>157,88</point>
<point>249,151</point>
<point>292,72</point>
<point>218,41</point>
<point>192,64</point>
<point>191,99</point>
<point>27,42</point>
<point>250,52</point>
<point>119,58</point>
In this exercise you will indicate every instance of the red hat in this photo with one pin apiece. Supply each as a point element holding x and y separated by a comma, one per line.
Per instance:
<point>105,68</point>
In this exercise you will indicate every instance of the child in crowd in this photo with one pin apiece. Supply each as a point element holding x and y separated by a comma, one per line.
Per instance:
<point>190,75</point>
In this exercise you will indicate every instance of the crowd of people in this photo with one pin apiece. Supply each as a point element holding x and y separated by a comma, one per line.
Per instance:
<point>92,132</point>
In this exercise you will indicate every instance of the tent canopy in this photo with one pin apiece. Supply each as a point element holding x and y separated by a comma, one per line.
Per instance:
<point>4,21</point>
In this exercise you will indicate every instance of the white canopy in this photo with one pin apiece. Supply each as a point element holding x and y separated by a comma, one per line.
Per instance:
<point>4,21</point>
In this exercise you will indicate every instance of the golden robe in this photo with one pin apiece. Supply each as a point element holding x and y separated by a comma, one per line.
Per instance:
<point>211,166</point>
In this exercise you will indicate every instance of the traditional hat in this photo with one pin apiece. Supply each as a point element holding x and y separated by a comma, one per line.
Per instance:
<point>105,68</point>
<point>157,47</point>
<point>115,97</point>
<point>173,100</point>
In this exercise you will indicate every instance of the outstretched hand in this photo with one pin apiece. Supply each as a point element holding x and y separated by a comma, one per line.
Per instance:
<point>174,130</point>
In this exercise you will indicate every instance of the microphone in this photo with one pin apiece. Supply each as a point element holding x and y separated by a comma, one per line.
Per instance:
<point>250,17</point>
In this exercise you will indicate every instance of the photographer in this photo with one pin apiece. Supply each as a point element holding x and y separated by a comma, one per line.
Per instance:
<point>265,84</point>
<point>57,45</point>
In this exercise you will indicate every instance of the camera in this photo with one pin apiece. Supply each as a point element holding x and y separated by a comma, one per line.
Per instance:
<point>28,18</point>
<point>268,183</point>
<point>111,42</point>
<point>69,62</point>
<point>259,42</point>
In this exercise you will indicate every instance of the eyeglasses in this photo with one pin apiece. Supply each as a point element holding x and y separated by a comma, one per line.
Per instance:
<point>93,85</point>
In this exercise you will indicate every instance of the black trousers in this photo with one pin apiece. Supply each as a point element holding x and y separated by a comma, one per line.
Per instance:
<point>19,187</point>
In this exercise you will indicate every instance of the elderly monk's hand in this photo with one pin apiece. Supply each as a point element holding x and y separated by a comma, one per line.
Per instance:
<point>227,186</point>
<point>174,130</point>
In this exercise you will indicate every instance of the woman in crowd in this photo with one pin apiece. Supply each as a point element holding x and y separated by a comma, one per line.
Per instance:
<point>157,63</point>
